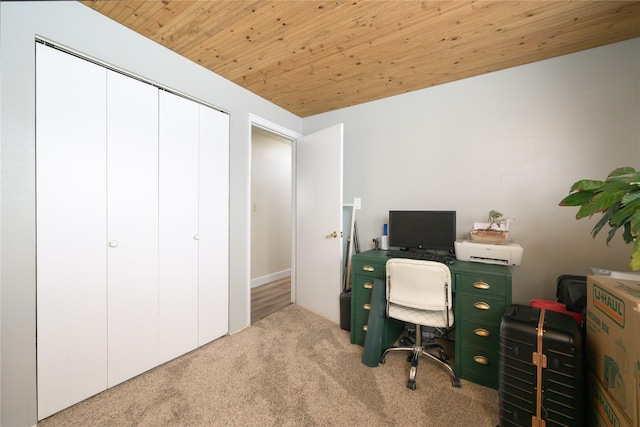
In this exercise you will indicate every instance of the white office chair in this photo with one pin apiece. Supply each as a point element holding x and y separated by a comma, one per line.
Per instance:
<point>419,292</point>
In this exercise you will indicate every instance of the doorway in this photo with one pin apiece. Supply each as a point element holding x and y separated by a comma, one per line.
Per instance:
<point>271,222</point>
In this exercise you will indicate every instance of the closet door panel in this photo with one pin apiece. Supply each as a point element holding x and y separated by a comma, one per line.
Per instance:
<point>178,227</point>
<point>132,199</point>
<point>213,225</point>
<point>71,230</point>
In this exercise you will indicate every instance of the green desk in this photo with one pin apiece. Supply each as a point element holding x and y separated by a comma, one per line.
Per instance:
<point>482,292</point>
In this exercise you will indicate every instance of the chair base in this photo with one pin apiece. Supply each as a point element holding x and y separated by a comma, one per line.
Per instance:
<point>418,350</point>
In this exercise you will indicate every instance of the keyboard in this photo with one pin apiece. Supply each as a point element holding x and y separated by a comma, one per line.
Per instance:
<point>427,256</point>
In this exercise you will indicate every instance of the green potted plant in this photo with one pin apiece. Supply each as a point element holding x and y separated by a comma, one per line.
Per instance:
<point>495,231</point>
<point>618,200</point>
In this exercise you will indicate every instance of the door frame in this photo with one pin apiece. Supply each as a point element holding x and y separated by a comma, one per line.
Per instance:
<point>256,121</point>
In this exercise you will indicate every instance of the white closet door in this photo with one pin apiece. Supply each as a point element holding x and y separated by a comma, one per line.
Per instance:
<point>132,200</point>
<point>178,227</point>
<point>71,230</point>
<point>213,225</point>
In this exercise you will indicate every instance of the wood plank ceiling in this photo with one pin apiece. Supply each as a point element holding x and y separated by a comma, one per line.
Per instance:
<point>310,57</point>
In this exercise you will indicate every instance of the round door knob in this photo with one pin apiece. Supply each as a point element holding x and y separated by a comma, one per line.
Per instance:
<point>334,235</point>
<point>113,243</point>
<point>196,237</point>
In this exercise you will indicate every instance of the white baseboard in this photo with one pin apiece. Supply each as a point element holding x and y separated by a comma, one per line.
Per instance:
<point>259,281</point>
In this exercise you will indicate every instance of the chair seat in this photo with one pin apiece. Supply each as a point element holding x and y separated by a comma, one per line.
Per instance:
<point>436,319</point>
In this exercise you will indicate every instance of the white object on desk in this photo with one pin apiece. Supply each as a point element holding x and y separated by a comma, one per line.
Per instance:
<point>507,254</point>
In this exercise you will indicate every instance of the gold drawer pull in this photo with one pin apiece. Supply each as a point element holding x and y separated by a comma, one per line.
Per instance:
<point>482,306</point>
<point>481,332</point>
<point>364,328</point>
<point>481,360</point>
<point>367,306</point>
<point>368,285</point>
<point>368,268</point>
<point>481,285</point>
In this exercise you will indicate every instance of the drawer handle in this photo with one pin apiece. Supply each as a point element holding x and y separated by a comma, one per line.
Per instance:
<point>481,332</point>
<point>364,328</point>
<point>482,306</point>
<point>481,285</point>
<point>368,285</point>
<point>368,268</point>
<point>367,306</point>
<point>481,360</point>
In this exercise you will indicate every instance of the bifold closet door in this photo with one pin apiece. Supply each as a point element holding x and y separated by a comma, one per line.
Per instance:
<point>71,229</point>
<point>213,222</point>
<point>178,216</point>
<point>132,201</point>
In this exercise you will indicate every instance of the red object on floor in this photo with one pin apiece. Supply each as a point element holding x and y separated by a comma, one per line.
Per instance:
<point>556,306</point>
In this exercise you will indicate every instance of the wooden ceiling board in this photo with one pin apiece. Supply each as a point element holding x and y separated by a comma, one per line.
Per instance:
<point>311,56</point>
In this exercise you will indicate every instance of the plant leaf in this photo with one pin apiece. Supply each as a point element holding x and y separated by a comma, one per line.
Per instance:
<point>631,197</point>
<point>577,199</point>
<point>612,232</point>
<point>605,219</point>
<point>625,170</point>
<point>634,264</point>
<point>626,234</point>
<point>624,213</point>
<point>587,210</point>
<point>586,185</point>
<point>608,198</point>
<point>635,223</point>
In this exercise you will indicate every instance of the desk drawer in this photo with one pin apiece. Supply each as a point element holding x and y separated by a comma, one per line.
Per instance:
<point>360,313</point>
<point>481,307</point>
<point>361,288</point>
<point>486,285</point>
<point>479,365</point>
<point>480,333</point>
<point>371,270</point>
<point>358,335</point>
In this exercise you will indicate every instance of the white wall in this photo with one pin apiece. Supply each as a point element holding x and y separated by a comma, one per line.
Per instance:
<point>75,26</point>
<point>513,140</point>
<point>270,207</point>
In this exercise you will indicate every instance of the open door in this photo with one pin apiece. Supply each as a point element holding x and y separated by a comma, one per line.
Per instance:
<point>318,253</point>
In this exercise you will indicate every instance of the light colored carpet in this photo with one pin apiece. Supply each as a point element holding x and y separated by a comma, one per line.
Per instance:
<point>292,368</point>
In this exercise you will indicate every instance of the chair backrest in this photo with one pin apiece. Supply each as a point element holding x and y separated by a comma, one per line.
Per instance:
<point>419,285</point>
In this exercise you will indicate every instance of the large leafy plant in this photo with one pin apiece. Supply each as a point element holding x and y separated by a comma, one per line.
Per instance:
<point>618,200</point>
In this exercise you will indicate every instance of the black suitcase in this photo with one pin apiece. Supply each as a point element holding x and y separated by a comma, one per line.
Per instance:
<point>541,375</point>
<point>572,292</point>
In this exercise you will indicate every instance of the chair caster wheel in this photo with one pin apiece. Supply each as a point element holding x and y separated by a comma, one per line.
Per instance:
<point>411,384</point>
<point>455,382</point>
<point>410,357</point>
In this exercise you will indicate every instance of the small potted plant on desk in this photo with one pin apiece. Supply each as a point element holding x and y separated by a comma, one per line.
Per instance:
<point>494,232</point>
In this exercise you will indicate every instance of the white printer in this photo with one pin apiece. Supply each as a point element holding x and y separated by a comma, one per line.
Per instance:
<point>505,254</point>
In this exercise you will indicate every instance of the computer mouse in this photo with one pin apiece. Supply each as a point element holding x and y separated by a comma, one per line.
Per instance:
<point>448,261</point>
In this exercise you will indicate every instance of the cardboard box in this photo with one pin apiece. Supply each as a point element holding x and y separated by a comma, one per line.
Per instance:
<point>613,340</point>
<point>602,409</point>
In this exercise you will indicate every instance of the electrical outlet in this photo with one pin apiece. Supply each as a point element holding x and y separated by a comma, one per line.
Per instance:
<point>357,203</point>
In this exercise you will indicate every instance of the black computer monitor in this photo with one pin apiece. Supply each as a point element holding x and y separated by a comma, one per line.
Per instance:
<point>422,230</point>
